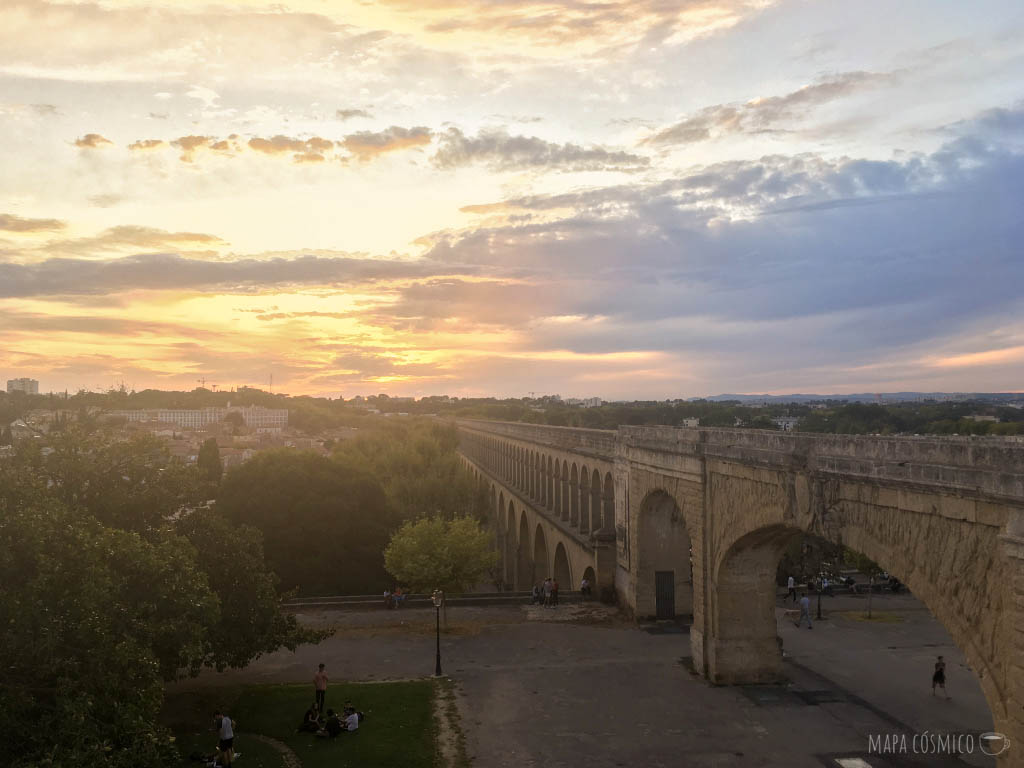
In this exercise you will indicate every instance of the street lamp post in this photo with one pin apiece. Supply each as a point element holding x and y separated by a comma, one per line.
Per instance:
<point>438,599</point>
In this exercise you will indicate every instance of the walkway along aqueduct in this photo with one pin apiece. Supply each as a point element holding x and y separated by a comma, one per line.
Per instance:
<point>677,521</point>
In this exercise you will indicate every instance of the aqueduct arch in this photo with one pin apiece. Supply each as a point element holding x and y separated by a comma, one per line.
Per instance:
<point>541,563</point>
<point>562,570</point>
<point>524,564</point>
<point>664,582</point>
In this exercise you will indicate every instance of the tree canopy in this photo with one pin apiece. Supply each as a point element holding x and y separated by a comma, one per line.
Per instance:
<point>325,524</point>
<point>114,582</point>
<point>432,553</point>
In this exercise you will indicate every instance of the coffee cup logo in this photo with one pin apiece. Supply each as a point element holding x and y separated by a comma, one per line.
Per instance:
<point>993,744</point>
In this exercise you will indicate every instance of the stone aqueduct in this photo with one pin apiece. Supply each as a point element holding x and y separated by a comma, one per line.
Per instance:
<point>694,521</point>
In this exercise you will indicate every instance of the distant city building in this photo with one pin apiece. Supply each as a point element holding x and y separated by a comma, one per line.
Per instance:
<point>691,422</point>
<point>982,417</point>
<point>786,423</point>
<point>255,416</point>
<point>28,386</point>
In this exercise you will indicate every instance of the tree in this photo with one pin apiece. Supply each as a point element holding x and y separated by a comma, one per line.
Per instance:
<point>866,566</point>
<point>96,613</point>
<point>324,524</point>
<point>208,462</point>
<point>418,466</point>
<point>129,484</point>
<point>92,621</point>
<point>235,419</point>
<point>251,622</point>
<point>430,554</point>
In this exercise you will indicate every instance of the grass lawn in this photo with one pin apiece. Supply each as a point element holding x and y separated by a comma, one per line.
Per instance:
<point>399,728</point>
<point>254,754</point>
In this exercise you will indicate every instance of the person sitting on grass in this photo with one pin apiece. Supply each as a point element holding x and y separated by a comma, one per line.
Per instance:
<point>332,726</point>
<point>310,720</point>
<point>351,719</point>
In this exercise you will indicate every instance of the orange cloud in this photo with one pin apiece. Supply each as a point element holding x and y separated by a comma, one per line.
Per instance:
<point>189,145</point>
<point>145,144</point>
<point>11,223</point>
<point>369,145</point>
<point>92,141</point>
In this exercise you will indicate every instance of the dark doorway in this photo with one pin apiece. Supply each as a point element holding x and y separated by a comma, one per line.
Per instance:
<point>665,594</point>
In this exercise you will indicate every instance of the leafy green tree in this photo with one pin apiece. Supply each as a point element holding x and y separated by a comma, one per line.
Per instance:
<point>250,621</point>
<point>208,462</point>
<point>417,464</point>
<point>433,554</point>
<point>129,484</point>
<point>324,524</point>
<point>92,621</point>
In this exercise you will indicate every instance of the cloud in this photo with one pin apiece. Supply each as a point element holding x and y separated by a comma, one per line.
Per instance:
<point>350,114</point>
<point>171,272</point>
<point>772,270</point>
<point>303,150</point>
<point>146,144</point>
<point>555,27</point>
<point>92,141</point>
<point>501,151</point>
<point>11,223</point>
<point>765,114</point>
<point>125,237</point>
<point>189,145</point>
<point>369,145</point>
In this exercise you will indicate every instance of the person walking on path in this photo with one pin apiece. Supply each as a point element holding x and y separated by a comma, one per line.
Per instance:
<point>939,676</point>
<point>791,585</point>
<point>554,592</point>
<point>320,684</point>
<point>805,611</point>
<point>547,591</point>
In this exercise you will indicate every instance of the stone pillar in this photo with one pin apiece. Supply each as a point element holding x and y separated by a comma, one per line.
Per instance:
<point>605,556</point>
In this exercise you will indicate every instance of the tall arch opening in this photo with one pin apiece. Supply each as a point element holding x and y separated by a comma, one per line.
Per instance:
<point>608,516</point>
<point>562,571</point>
<point>541,564</point>
<point>595,501</point>
<point>510,546</point>
<point>584,500</point>
<point>664,587</point>
<point>588,574</point>
<point>564,511</point>
<point>748,620</point>
<point>574,496</point>
<point>524,564</point>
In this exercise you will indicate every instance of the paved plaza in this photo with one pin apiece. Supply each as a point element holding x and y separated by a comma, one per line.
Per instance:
<point>581,687</point>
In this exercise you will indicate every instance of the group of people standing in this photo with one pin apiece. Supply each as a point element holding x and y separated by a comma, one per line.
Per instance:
<point>393,598</point>
<point>546,593</point>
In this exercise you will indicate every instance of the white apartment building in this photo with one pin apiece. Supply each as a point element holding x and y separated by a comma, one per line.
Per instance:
<point>28,386</point>
<point>255,416</point>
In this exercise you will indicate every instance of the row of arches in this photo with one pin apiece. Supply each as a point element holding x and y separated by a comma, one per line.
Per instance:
<point>569,491</point>
<point>529,554</point>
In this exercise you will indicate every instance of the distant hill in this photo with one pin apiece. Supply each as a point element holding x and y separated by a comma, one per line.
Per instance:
<point>872,397</point>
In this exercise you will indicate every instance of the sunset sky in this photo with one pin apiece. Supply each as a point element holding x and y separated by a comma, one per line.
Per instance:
<point>613,198</point>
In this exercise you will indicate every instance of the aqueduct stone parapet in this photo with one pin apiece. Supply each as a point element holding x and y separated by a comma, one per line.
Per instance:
<point>680,520</point>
